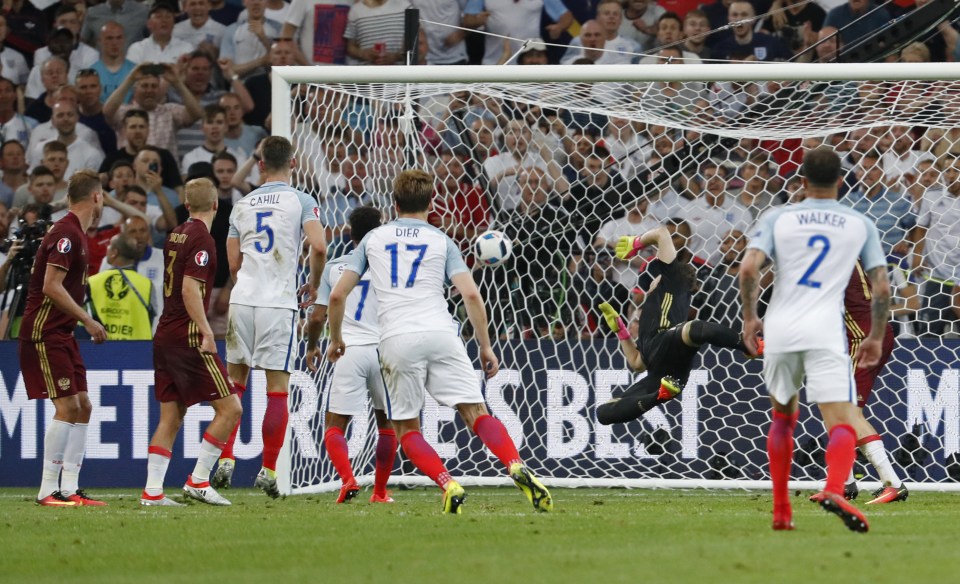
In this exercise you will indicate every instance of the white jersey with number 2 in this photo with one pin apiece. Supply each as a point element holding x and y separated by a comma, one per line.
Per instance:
<point>814,246</point>
<point>269,223</point>
<point>360,310</point>
<point>410,262</point>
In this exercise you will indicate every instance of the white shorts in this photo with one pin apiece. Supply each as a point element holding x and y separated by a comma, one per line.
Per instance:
<point>356,375</point>
<point>435,361</point>
<point>829,376</point>
<point>261,337</point>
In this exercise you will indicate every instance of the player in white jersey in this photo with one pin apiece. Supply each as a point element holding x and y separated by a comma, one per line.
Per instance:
<point>814,245</point>
<point>357,374</point>
<point>409,262</point>
<point>263,249</point>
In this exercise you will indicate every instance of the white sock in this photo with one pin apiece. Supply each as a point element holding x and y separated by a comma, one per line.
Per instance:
<point>73,459</point>
<point>158,460</point>
<point>877,455</point>
<point>209,453</point>
<point>54,443</point>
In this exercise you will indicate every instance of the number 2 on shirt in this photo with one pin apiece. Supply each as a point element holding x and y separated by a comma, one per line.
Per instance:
<point>805,278</point>
<point>394,260</point>
<point>263,227</point>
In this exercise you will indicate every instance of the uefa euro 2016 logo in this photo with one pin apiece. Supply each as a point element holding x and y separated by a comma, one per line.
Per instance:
<point>116,287</point>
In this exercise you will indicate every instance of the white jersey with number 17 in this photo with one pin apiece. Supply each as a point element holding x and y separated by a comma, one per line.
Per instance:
<point>410,262</point>
<point>269,224</point>
<point>814,245</point>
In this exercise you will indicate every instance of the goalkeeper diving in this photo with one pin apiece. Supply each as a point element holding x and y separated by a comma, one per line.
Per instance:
<point>668,341</point>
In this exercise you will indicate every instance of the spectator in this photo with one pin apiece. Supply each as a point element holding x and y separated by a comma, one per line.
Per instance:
<point>14,66</point>
<point>586,46</point>
<point>305,17</point>
<point>718,299</point>
<point>636,220</point>
<point>239,136</point>
<point>718,14</point>
<point>120,298</point>
<point>13,163</point>
<point>336,204</point>
<point>99,235</point>
<point>41,190</point>
<point>501,169</point>
<point>55,162</point>
<point>129,15</point>
<point>224,168</point>
<point>593,197</point>
<point>127,200</point>
<point>669,34</point>
<point>13,126</point>
<point>375,32</point>
<point>627,148</point>
<point>459,208</point>
<point>113,66</point>
<point>147,172</point>
<point>199,30</point>
<point>150,264</point>
<point>517,20</point>
<point>160,46</point>
<point>595,283</point>
<point>446,46</point>
<point>712,214</point>
<point>53,74</point>
<point>225,13</point>
<point>247,42</point>
<point>853,21</point>
<point>756,194</point>
<point>696,34</point>
<point>617,49</point>
<point>214,128</point>
<point>745,44</point>
<point>796,24</point>
<point>639,22</point>
<point>91,109</point>
<point>925,185</point>
<point>533,53</point>
<point>63,43</point>
<point>258,86</point>
<point>900,160</point>
<point>27,26</point>
<point>165,118</point>
<point>81,154</point>
<point>135,130</point>
<point>277,10</point>
<point>890,210</point>
<point>936,254</point>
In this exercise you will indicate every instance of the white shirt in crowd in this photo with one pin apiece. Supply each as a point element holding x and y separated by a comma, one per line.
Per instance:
<point>210,32</point>
<point>149,51</point>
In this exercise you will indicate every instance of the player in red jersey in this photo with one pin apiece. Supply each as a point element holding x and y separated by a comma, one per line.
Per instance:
<point>856,316</point>
<point>49,356</point>
<point>187,368</point>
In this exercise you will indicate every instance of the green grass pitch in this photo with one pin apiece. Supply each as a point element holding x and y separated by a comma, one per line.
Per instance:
<point>594,536</point>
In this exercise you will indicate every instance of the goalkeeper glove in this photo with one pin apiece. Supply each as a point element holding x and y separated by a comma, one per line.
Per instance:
<point>614,321</point>
<point>628,246</point>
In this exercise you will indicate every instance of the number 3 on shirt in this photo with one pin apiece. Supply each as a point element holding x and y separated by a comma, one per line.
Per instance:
<point>263,227</point>
<point>805,278</point>
<point>394,260</point>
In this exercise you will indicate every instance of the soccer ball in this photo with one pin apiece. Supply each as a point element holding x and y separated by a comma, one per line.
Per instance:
<point>492,247</point>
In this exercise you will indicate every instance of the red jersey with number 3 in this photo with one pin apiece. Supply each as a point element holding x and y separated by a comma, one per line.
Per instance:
<point>189,252</point>
<point>64,246</point>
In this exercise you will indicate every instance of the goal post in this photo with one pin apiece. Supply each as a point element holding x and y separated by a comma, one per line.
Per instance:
<point>564,159</point>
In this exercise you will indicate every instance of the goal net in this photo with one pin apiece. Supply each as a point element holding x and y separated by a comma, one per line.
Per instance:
<point>565,160</point>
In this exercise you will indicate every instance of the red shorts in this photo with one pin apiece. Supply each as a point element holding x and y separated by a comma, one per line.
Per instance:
<point>52,368</point>
<point>184,374</point>
<point>865,378</point>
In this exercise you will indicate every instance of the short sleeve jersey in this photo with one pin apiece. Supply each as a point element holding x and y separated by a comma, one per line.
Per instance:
<point>269,224</point>
<point>410,262</point>
<point>814,245</point>
<point>189,252</point>
<point>64,246</point>
<point>669,303</point>
<point>360,313</point>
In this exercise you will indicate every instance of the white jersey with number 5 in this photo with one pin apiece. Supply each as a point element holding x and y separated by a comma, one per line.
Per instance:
<point>360,312</point>
<point>814,246</point>
<point>409,262</point>
<point>269,223</point>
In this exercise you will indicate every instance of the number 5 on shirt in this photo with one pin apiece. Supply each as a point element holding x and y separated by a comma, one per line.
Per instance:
<point>263,227</point>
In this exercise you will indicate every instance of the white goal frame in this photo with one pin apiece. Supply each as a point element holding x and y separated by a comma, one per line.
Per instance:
<point>283,78</point>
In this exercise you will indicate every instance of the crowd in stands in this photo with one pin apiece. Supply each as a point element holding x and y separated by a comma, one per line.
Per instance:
<point>152,94</point>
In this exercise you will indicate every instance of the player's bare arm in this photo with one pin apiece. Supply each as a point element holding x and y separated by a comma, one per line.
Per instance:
<point>193,302</point>
<point>234,257</point>
<point>314,328</point>
<point>338,300</point>
<point>749,296</point>
<point>477,314</point>
<point>870,349</point>
<point>317,241</point>
<point>54,290</point>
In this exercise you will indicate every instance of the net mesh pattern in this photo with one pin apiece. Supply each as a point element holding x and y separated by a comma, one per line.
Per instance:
<point>565,169</point>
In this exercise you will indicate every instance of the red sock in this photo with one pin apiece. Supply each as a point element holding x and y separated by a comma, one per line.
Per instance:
<point>228,449</point>
<point>336,445</point>
<point>274,428</point>
<point>841,452</point>
<point>424,457</point>
<point>868,439</point>
<point>386,452</point>
<point>780,452</point>
<point>495,437</point>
